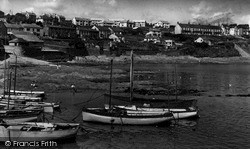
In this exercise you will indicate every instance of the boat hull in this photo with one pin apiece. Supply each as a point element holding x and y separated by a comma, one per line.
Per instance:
<point>177,113</point>
<point>14,133</point>
<point>89,116</point>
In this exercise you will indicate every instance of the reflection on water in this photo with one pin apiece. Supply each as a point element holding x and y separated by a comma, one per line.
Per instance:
<point>224,121</point>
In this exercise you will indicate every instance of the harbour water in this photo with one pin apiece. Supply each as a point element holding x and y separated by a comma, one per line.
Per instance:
<point>224,103</point>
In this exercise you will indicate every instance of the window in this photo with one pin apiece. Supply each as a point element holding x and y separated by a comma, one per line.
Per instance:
<point>38,30</point>
<point>28,29</point>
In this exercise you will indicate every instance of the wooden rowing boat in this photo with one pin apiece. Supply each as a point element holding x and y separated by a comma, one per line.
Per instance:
<point>33,131</point>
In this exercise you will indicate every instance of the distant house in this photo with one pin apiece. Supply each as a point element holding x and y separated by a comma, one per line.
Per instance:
<point>196,29</point>
<point>13,27</point>
<point>139,23</point>
<point>123,23</point>
<point>94,21</point>
<point>21,38</point>
<point>107,23</point>
<point>154,32</point>
<point>81,21</point>
<point>233,29</point>
<point>104,31</point>
<point>169,43</point>
<point>87,32</point>
<point>243,29</point>
<point>59,32</point>
<point>33,28</point>
<point>162,24</point>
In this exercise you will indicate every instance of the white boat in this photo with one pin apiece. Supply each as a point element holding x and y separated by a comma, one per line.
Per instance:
<point>27,93</point>
<point>48,107</point>
<point>177,113</point>
<point>19,116</point>
<point>22,97</point>
<point>123,117</point>
<point>33,131</point>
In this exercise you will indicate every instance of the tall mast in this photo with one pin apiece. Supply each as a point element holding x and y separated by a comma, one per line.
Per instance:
<point>9,90</point>
<point>8,71</point>
<point>175,82</point>
<point>4,75</point>
<point>110,82</point>
<point>15,75</point>
<point>131,76</point>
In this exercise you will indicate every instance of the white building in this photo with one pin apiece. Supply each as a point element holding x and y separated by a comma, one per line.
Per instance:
<point>163,24</point>
<point>139,23</point>
<point>81,21</point>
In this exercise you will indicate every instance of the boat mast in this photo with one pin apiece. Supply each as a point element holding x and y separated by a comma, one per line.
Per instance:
<point>4,75</point>
<point>131,76</point>
<point>110,82</point>
<point>9,90</point>
<point>15,75</point>
<point>8,71</point>
<point>175,82</point>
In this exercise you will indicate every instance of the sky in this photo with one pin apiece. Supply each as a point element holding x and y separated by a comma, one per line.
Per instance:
<point>150,10</point>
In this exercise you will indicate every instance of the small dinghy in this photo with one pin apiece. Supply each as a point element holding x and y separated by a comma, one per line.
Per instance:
<point>33,131</point>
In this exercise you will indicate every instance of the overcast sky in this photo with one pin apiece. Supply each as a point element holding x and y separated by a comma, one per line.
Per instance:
<point>149,10</point>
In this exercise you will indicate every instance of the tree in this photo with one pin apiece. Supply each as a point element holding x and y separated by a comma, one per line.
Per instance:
<point>19,17</point>
<point>1,14</point>
<point>79,47</point>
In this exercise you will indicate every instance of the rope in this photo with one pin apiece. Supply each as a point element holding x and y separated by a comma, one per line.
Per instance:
<point>81,125</point>
<point>77,104</point>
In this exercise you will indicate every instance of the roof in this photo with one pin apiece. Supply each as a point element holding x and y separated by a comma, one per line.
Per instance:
<point>17,40</point>
<point>86,28</point>
<point>62,27</point>
<point>18,26</point>
<point>243,26</point>
<point>82,19</point>
<point>26,36</point>
<point>139,20</point>
<point>30,26</point>
<point>102,28</point>
<point>165,22</point>
<point>116,29</point>
<point>199,26</point>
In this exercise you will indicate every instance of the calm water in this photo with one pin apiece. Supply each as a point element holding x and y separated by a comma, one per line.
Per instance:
<point>224,111</point>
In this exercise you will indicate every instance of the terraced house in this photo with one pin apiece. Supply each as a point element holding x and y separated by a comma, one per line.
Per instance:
<point>196,29</point>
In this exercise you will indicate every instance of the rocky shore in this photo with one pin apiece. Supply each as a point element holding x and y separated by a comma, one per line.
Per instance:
<point>91,72</point>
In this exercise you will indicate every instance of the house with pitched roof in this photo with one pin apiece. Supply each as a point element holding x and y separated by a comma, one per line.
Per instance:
<point>139,23</point>
<point>87,32</point>
<point>243,29</point>
<point>162,24</point>
<point>81,21</point>
<point>32,28</point>
<point>59,32</point>
<point>21,38</point>
<point>94,21</point>
<point>197,29</point>
<point>107,23</point>
<point>13,27</point>
<point>233,29</point>
<point>104,31</point>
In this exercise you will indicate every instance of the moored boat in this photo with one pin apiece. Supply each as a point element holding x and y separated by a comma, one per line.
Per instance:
<point>33,131</point>
<point>177,113</point>
<point>124,117</point>
<point>19,116</point>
